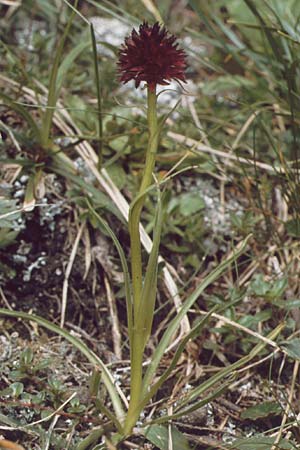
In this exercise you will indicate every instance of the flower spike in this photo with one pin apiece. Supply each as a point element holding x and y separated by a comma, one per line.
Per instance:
<point>151,55</point>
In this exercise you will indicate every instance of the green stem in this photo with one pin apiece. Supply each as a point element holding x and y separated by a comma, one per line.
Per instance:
<point>137,352</point>
<point>135,213</point>
<point>138,345</point>
<point>99,98</point>
<point>53,93</point>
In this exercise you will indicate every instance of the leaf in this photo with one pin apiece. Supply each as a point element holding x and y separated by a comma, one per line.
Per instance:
<point>220,376</point>
<point>45,414</point>
<point>191,203</point>
<point>107,377</point>
<point>191,299</point>
<point>9,227</point>
<point>259,286</point>
<point>92,437</point>
<point>292,348</point>
<point>226,83</point>
<point>262,410</point>
<point>261,443</point>
<point>26,357</point>
<point>159,436</point>
<point>7,236</point>
<point>278,288</point>
<point>30,193</point>
<point>195,331</point>
<point>287,304</point>
<point>262,316</point>
<point>122,256</point>
<point>68,61</point>
<point>117,175</point>
<point>99,98</point>
<point>9,212</point>
<point>148,296</point>
<point>16,389</point>
<point>293,227</point>
<point>268,289</point>
<point>53,91</point>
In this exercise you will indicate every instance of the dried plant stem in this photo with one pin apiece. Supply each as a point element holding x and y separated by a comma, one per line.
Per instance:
<point>116,334</point>
<point>288,406</point>
<point>67,274</point>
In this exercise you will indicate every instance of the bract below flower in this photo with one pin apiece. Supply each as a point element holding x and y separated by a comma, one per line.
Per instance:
<point>151,55</point>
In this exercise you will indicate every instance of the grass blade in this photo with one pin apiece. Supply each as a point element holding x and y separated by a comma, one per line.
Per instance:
<point>23,112</point>
<point>192,395</point>
<point>148,296</point>
<point>89,354</point>
<point>67,62</point>
<point>99,98</point>
<point>53,91</point>
<point>122,256</point>
<point>229,370</point>
<point>191,335</point>
<point>215,274</point>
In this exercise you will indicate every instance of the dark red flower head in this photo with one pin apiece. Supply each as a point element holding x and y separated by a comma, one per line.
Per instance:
<point>151,55</point>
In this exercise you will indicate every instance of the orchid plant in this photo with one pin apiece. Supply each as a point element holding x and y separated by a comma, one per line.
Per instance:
<point>152,56</point>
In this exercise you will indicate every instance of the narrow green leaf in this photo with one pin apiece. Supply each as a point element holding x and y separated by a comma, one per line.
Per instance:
<point>105,411</point>
<point>107,377</point>
<point>68,61</point>
<point>24,113</point>
<point>229,370</point>
<point>95,381</point>
<point>185,407</point>
<point>174,324</point>
<point>124,267</point>
<point>217,392</point>
<point>275,44</point>
<point>53,92</point>
<point>93,436</point>
<point>196,330</point>
<point>190,203</point>
<point>16,389</point>
<point>99,97</point>
<point>148,296</point>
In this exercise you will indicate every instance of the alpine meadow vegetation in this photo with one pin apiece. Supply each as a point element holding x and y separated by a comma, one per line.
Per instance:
<point>149,225</point>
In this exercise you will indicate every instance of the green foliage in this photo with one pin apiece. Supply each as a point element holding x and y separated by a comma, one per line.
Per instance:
<point>26,367</point>
<point>227,83</point>
<point>271,290</point>
<point>244,223</point>
<point>261,443</point>
<point>292,348</point>
<point>259,37</point>
<point>9,227</point>
<point>76,407</point>
<point>293,227</point>
<point>161,436</point>
<point>251,65</point>
<point>15,389</point>
<point>39,394</point>
<point>262,410</point>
